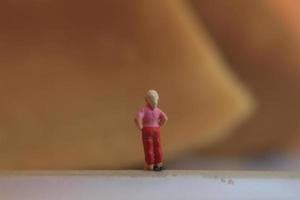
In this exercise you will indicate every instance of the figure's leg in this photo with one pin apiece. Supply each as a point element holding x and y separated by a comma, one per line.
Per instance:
<point>158,154</point>
<point>148,148</point>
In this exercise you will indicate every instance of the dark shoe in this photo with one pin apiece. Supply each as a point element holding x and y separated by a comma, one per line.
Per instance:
<point>156,168</point>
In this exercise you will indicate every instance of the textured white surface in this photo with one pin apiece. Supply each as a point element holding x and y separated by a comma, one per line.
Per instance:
<point>140,185</point>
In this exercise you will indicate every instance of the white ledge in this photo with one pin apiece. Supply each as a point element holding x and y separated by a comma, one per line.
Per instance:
<point>140,185</point>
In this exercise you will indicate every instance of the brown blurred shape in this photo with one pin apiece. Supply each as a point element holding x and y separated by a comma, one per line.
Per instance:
<point>267,57</point>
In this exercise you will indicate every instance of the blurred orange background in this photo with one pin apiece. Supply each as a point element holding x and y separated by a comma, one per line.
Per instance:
<point>73,75</point>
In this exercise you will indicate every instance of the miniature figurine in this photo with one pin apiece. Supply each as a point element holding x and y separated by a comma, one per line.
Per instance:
<point>149,120</point>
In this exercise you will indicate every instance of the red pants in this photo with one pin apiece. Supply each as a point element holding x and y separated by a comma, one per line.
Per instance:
<point>152,147</point>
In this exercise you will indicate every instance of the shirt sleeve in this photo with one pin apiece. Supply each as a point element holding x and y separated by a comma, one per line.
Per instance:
<point>140,114</point>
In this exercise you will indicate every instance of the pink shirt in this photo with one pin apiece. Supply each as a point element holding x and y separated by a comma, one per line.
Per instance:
<point>151,117</point>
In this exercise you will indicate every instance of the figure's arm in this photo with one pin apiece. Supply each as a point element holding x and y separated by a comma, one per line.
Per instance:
<point>163,119</point>
<point>138,122</point>
<point>139,119</point>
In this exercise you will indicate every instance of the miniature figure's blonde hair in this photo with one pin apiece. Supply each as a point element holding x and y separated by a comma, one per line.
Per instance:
<point>153,97</point>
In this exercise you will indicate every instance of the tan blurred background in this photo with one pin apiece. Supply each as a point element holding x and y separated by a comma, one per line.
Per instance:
<point>73,75</point>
